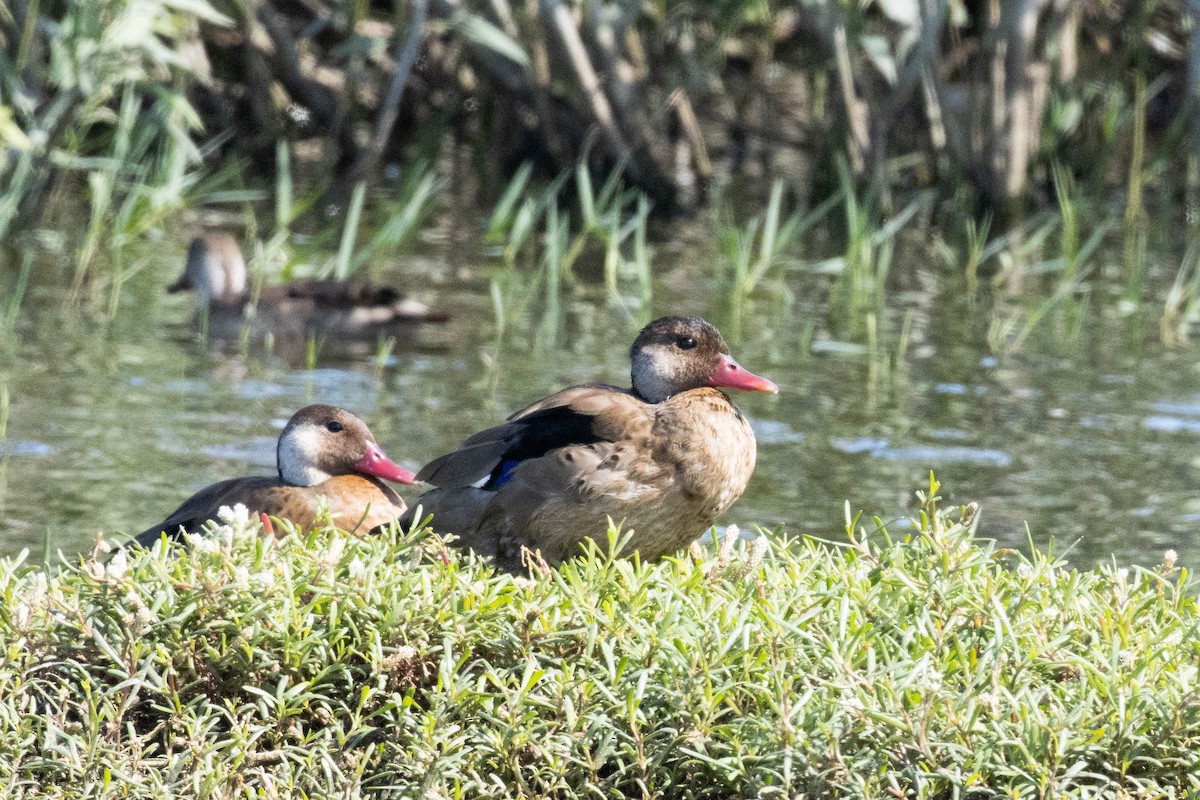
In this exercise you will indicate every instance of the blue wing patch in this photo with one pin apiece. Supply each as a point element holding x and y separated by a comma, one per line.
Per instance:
<point>503,474</point>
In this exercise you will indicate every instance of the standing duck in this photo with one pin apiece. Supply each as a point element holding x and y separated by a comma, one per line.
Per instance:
<point>323,452</point>
<point>216,270</point>
<point>666,457</point>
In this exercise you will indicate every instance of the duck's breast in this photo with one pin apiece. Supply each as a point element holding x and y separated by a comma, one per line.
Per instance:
<point>357,503</point>
<point>707,444</point>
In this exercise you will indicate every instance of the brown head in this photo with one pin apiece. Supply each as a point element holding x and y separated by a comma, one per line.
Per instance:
<point>320,442</point>
<point>215,269</point>
<point>674,354</point>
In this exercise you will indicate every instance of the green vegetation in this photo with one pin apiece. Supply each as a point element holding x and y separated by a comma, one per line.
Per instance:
<point>94,95</point>
<point>1021,143</point>
<point>930,665</point>
<point>978,99</point>
<point>1025,138</point>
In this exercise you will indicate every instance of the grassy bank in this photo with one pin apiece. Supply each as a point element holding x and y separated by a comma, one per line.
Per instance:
<point>927,665</point>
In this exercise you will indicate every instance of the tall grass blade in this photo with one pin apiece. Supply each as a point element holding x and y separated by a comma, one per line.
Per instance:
<point>503,214</point>
<point>342,265</point>
<point>283,185</point>
<point>18,293</point>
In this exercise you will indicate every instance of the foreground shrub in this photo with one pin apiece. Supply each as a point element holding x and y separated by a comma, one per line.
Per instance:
<point>935,666</point>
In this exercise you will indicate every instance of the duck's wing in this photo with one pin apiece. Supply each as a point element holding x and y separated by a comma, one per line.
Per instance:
<point>343,294</point>
<point>580,415</point>
<point>204,504</point>
<point>456,511</point>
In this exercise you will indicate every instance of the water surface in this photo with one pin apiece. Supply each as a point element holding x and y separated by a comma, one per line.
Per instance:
<point>1089,440</point>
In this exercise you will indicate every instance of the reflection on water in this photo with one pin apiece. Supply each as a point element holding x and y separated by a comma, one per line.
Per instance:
<point>111,424</point>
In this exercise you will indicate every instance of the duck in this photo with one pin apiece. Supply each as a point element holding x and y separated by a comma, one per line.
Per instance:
<point>663,458</point>
<point>216,271</point>
<point>326,457</point>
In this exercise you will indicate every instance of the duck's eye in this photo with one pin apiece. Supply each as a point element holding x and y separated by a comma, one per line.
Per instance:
<point>334,426</point>
<point>685,343</point>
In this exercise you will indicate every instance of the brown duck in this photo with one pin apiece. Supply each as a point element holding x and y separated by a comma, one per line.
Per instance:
<point>216,270</point>
<point>666,457</point>
<point>324,453</point>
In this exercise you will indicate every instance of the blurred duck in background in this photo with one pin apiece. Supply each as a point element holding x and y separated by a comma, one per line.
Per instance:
<point>216,271</point>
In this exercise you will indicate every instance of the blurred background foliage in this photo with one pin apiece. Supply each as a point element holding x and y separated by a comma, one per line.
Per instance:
<point>137,102</point>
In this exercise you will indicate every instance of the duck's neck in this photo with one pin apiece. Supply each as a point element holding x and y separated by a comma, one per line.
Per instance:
<point>651,387</point>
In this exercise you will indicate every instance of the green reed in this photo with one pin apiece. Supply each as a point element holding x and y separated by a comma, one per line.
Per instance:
<point>1181,309</point>
<point>619,270</point>
<point>751,251</point>
<point>118,276</point>
<point>341,265</point>
<point>102,185</point>
<point>1067,303</point>
<point>519,210</point>
<point>12,195</point>
<point>312,351</point>
<point>9,322</point>
<point>384,348</point>
<point>504,212</point>
<point>756,250</point>
<point>404,214</point>
<point>283,185</point>
<point>104,110</point>
<point>553,264</point>
<point>977,241</point>
<point>1135,220</point>
<point>397,218</point>
<point>861,285</point>
<point>556,231</point>
<point>496,292</point>
<point>1068,222</point>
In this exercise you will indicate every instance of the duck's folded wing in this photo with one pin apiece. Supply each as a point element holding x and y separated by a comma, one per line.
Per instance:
<point>580,415</point>
<point>342,294</point>
<point>386,303</point>
<point>203,506</point>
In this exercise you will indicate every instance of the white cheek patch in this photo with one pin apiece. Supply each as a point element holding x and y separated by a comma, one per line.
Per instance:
<point>299,452</point>
<point>655,373</point>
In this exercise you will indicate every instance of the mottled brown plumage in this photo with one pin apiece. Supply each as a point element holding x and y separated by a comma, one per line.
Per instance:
<point>216,270</point>
<point>326,456</point>
<point>664,458</point>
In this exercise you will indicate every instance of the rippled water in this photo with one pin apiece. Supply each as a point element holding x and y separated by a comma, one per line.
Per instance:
<point>1091,442</point>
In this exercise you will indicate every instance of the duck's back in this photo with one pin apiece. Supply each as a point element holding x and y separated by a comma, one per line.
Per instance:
<point>204,504</point>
